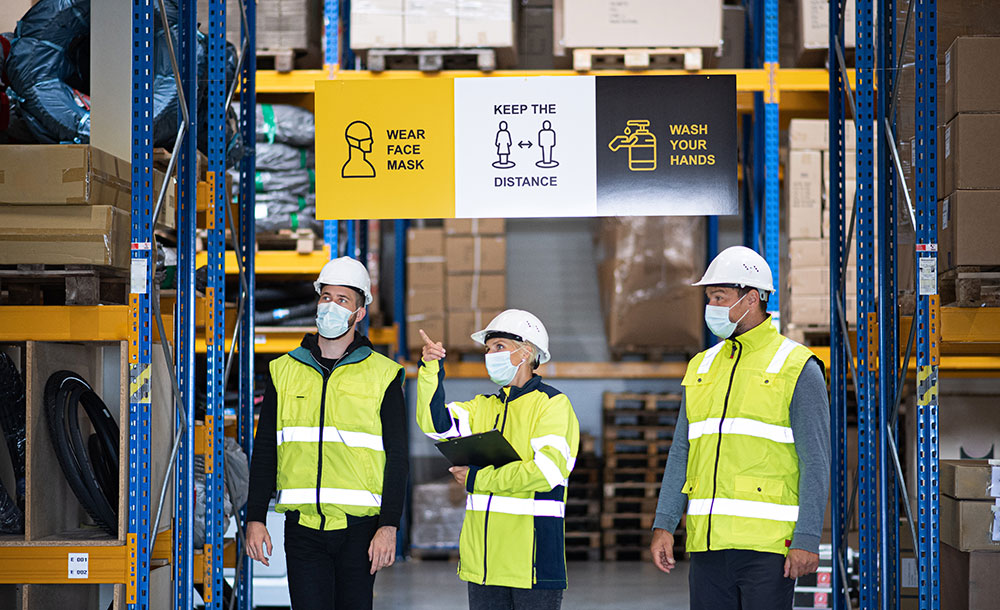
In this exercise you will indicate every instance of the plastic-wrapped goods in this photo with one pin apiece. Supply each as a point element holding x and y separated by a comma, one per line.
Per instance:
<point>295,183</point>
<point>438,511</point>
<point>646,266</point>
<point>237,474</point>
<point>285,124</point>
<point>278,157</point>
<point>275,212</point>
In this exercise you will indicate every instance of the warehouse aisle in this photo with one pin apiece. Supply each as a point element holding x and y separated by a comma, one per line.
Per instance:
<point>433,585</point>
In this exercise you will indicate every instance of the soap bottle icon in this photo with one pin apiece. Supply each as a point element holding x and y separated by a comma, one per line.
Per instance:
<point>641,144</point>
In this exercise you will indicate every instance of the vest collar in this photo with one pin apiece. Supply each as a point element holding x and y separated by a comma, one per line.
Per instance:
<point>757,337</point>
<point>308,352</point>
<point>530,386</point>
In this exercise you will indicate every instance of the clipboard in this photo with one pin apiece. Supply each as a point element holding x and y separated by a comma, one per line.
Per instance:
<point>483,449</point>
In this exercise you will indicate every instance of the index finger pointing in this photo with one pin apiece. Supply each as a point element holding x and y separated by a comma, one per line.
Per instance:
<point>426,339</point>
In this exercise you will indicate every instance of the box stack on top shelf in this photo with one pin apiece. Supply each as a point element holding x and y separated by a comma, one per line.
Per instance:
<point>638,432</point>
<point>583,503</point>
<point>969,175</point>
<point>424,286</point>
<point>288,36</point>
<point>805,279</point>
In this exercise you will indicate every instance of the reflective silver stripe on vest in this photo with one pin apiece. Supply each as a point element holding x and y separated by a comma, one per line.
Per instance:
<point>743,508</point>
<point>459,423</point>
<point>515,506</point>
<point>549,468</point>
<point>739,425</point>
<point>329,495</point>
<point>780,356</point>
<point>706,362</point>
<point>311,434</point>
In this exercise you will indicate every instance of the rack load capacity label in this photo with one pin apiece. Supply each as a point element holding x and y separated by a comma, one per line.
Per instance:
<point>520,147</point>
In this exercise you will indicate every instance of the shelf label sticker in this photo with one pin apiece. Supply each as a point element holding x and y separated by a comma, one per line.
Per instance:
<point>995,534</point>
<point>928,276</point>
<point>994,480</point>
<point>78,565</point>
<point>908,573</point>
<point>517,147</point>
<point>139,276</point>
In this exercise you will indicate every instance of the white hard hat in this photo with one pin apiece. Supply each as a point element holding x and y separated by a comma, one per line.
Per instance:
<point>739,266</point>
<point>345,271</point>
<point>523,326</point>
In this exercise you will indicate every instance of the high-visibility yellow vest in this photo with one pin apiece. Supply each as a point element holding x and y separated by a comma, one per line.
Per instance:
<point>329,447</point>
<point>743,471</point>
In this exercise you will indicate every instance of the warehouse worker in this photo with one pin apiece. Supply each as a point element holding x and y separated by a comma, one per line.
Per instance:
<point>512,550</point>
<point>331,439</point>
<point>751,451</point>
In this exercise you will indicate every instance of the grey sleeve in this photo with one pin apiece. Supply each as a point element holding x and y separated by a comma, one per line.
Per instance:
<point>810,418</point>
<point>671,504</point>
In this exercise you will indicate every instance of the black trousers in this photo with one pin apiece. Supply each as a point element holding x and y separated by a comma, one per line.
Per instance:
<point>739,580</point>
<point>329,570</point>
<point>483,597</point>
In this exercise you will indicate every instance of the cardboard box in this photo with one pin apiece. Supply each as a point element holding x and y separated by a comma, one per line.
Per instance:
<point>734,29</point>
<point>485,254</point>
<point>805,193</point>
<point>813,310</point>
<point>969,580</point>
<point>850,167</point>
<point>968,226</point>
<point>968,138</point>
<point>967,524</point>
<point>641,23</point>
<point>425,301</point>
<point>430,23</point>
<point>486,23</point>
<point>646,266</point>
<point>426,273</point>
<point>971,76</point>
<point>474,226</point>
<point>813,253</point>
<point>814,134</point>
<point>968,479</point>
<point>471,291</point>
<point>535,40</point>
<point>432,324</point>
<point>65,235</point>
<point>376,24</point>
<point>813,40</point>
<point>816,281</point>
<point>424,242</point>
<point>462,324</point>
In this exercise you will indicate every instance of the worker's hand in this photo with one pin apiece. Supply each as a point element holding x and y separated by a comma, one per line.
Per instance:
<point>432,351</point>
<point>460,473</point>
<point>257,538</point>
<point>382,550</point>
<point>800,563</point>
<point>663,550</point>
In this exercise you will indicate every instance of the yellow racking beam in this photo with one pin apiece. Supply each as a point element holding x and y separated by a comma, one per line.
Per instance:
<point>50,564</point>
<point>63,323</point>
<point>276,262</point>
<point>228,561</point>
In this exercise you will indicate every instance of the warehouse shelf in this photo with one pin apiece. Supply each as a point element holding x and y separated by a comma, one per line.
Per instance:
<point>277,262</point>
<point>965,330</point>
<point>228,561</point>
<point>64,323</point>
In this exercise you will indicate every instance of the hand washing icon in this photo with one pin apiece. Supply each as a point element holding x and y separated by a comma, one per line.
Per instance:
<point>641,145</point>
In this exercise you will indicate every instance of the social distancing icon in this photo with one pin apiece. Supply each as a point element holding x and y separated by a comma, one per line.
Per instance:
<point>547,141</point>
<point>503,144</point>
<point>641,145</point>
<point>359,144</point>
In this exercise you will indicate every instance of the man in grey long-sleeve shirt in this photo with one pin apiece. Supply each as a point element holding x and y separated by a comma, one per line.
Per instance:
<point>751,452</point>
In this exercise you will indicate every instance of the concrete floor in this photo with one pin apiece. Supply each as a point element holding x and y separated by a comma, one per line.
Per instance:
<point>433,585</point>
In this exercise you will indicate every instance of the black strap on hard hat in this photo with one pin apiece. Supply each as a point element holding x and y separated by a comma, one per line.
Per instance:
<point>499,334</point>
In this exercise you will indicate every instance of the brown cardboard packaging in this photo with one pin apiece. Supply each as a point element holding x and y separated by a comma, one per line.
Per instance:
<point>813,253</point>
<point>813,310</point>
<point>474,226</point>
<point>432,324</point>
<point>424,242</point>
<point>814,134</point>
<point>425,301</point>
<point>971,76</point>
<point>967,524</point>
<point>805,193</point>
<point>462,324</point>
<point>471,291</point>
<point>485,254</point>
<point>966,479</point>
<point>65,235</point>
<point>646,266</point>
<point>425,274</point>
<point>969,580</point>
<point>816,281</point>
<point>968,225</point>
<point>968,142</point>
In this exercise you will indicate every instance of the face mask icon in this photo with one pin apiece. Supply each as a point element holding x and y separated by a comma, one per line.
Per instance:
<point>359,144</point>
<point>641,145</point>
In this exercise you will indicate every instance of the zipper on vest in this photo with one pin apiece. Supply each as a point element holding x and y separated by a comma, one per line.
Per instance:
<point>319,457</point>
<point>718,447</point>
<point>486,519</point>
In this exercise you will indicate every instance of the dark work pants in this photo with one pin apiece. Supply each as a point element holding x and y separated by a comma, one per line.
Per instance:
<point>329,570</point>
<point>739,580</point>
<point>482,597</point>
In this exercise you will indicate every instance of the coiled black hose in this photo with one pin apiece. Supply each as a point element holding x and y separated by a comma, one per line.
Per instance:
<point>12,419</point>
<point>92,471</point>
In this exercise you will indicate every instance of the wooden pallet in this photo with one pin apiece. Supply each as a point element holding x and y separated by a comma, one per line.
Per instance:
<point>431,60</point>
<point>583,546</point>
<point>638,432</point>
<point>970,287</point>
<point>661,58</point>
<point>584,476</point>
<point>635,460</point>
<point>63,285</point>
<point>633,403</point>
<point>286,60</point>
<point>629,417</point>
<point>617,447</point>
<point>631,490</point>
<point>582,508</point>
<point>627,521</point>
<point>303,241</point>
<point>629,505</point>
<point>633,475</point>
<point>649,353</point>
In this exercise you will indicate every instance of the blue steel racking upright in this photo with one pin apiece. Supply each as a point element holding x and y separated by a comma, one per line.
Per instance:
<point>878,376</point>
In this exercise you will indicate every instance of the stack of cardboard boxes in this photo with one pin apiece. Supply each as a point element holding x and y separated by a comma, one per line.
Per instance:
<point>456,281</point>
<point>438,24</point>
<point>969,170</point>
<point>805,281</point>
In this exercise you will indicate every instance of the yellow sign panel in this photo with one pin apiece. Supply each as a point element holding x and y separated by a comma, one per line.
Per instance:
<point>385,149</point>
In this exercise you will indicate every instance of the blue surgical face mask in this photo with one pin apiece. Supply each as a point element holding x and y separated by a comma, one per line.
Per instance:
<point>717,319</point>
<point>500,369</point>
<point>332,320</point>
